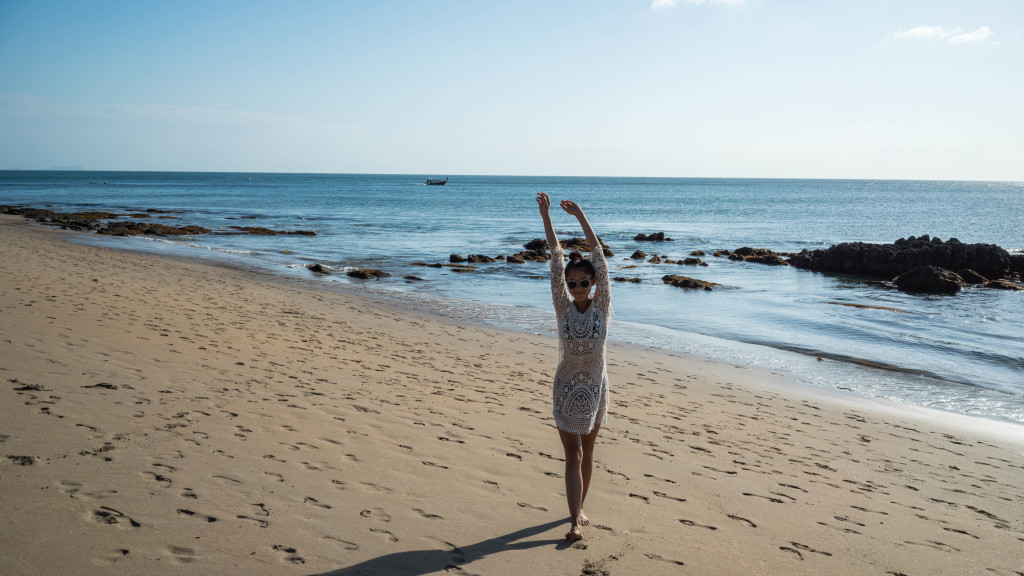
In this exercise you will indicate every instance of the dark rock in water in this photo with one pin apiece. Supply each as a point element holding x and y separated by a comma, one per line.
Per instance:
<point>150,229</point>
<point>639,255</point>
<point>580,244</point>
<point>479,259</point>
<point>721,253</point>
<point>758,256</point>
<point>686,282</point>
<point>971,277</point>
<point>536,244</point>
<point>529,256</point>
<point>1017,263</point>
<point>692,262</point>
<point>655,259</point>
<point>1003,285</point>
<point>889,260</point>
<point>698,253</point>
<point>368,273</point>
<point>319,268</point>
<point>455,258</point>
<point>255,230</point>
<point>428,265</point>
<point>624,279</point>
<point>930,280</point>
<point>413,278</point>
<point>655,237</point>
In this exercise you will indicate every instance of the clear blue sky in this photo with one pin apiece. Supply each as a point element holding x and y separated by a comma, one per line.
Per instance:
<point>923,89</point>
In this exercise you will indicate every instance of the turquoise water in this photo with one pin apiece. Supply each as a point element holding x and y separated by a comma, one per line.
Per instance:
<point>962,353</point>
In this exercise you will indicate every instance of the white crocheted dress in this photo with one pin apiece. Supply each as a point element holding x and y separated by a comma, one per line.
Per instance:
<point>581,380</point>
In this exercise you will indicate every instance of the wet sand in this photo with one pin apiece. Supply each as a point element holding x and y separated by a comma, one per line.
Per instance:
<point>165,416</point>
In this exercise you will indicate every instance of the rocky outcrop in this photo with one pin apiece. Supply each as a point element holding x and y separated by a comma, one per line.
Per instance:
<point>455,259</point>
<point>1003,285</point>
<point>971,277</point>
<point>686,282</point>
<point>889,260</point>
<point>758,256</point>
<point>150,229</point>
<point>654,237</point>
<point>368,274</point>
<point>692,262</point>
<point>479,259</point>
<point>639,255</point>
<point>625,279</point>
<point>929,280</point>
<point>258,231</point>
<point>536,244</point>
<point>722,254</point>
<point>655,259</point>
<point>698,253</point>
<point>319,268</point>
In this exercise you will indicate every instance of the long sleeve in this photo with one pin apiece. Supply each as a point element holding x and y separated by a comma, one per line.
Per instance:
<point>602,283</point>
<point>559,295</point>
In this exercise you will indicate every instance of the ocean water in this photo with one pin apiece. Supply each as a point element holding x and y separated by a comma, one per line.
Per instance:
<point>962,353</point>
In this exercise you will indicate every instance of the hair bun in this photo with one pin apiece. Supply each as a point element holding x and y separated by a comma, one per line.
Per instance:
<point>575,255</point>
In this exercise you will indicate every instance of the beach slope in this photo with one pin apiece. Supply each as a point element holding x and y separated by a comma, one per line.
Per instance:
<point>165,416</point>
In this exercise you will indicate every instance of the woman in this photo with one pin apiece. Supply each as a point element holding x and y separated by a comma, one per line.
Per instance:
<point>581,381</point>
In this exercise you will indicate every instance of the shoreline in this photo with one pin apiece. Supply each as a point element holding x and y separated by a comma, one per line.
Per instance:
<point>423,304</point>
<point>355,436</point>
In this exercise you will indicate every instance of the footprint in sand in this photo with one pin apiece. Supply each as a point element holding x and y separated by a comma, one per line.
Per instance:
<point>163,481</point>
<point>187,512</point>
<point>290,554</point>
<point>227,479</point>
<point>314,502</point>
<point>109,558</point>
<point>377,514</point>
<point>696,525</point>
<point>372,487</point>
<point>345,544</point>
<point>797,548</point>
<point>656,557</point>
<point>742,519</point>
<point>434,465</point>
<point>182,554</point>
<point>107,515</point>
<point>256,521</point>
<point>386,534</point>
<point>428,515</point>
<point>532,507</point>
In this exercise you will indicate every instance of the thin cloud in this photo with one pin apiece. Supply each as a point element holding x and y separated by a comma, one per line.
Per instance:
<point>662,4</point>
<point>979,35</point>
<point>924,32</point>
<point>954,36</point>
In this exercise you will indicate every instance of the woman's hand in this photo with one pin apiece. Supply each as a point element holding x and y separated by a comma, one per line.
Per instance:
<point>544,202</point>
<point>572,208</point>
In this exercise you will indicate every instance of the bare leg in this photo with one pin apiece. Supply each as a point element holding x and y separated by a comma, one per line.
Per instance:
<point>587,467</point>
<point>579,467</point>
<point>572,445</point>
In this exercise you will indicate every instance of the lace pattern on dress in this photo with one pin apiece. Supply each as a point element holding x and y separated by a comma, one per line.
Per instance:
<point>580,395</point>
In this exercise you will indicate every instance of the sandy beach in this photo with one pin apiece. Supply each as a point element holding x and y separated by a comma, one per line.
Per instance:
<point>166,416</point>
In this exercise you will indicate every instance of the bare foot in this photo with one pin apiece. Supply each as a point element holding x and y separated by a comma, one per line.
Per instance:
<point>574,535</point>
<point>582,520</point>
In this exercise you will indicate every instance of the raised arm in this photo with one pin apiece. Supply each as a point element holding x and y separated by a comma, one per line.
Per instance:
<point>549,231</point>
<point>574,209</point>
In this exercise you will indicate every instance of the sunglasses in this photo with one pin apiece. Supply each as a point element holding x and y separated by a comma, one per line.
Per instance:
<point>583,284</point>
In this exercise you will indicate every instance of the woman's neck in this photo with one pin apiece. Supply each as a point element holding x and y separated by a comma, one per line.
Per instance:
<point>582,304</point>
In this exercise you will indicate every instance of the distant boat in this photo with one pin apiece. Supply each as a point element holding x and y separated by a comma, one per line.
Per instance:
<point>436,181</point>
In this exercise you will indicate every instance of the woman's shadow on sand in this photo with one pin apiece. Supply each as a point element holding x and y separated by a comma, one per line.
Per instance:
<point>417,562</point>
